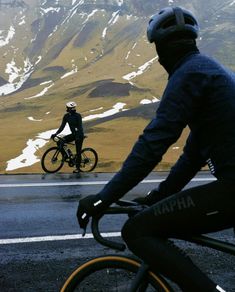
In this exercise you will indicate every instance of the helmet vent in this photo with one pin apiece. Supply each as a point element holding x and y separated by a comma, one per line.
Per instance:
<point>188,21</point>
<point>169,23</point>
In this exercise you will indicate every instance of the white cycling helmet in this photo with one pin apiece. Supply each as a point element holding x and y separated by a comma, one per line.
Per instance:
<point>71,104</point>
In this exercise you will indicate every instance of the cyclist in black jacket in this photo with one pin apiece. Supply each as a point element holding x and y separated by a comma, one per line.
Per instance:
<point>74,120</point>
<point>200,94</point>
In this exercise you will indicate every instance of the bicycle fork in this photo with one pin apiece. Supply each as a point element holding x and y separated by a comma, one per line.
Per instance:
<point>140,282</point>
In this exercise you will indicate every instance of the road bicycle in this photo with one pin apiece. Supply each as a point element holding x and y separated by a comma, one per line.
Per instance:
<point>54,158</point>
<point>126,273</point>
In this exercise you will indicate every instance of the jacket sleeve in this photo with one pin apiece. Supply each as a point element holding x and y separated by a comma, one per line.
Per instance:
<point>172,116</point>
<point>78,129</point>
<point>62,126</point>
<point>189,163</point>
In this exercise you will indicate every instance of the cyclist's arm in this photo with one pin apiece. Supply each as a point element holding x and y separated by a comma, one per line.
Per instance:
<point>189,163</point>
<point>78,130</point>
<point>141,161</point>
<point>172,116</point>
<point>62,126</point>
<point>176,109</point>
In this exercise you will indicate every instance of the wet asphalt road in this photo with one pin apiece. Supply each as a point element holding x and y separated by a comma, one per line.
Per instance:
<point>40,242</point>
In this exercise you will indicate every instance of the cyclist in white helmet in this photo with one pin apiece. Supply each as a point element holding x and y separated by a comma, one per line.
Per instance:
<point>74,119</point>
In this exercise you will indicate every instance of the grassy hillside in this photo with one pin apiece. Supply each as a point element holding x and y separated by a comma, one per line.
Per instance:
<point>96,43</point>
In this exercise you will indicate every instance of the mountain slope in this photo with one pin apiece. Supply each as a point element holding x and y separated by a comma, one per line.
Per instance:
<point>93,52</point>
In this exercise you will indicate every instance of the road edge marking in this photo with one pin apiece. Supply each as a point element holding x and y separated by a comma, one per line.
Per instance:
<point>54,238</point>
<point>103,182</point>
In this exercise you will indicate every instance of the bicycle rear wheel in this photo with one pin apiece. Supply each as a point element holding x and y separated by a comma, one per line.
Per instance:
<point>111,273</point>
<point>52,160</point>
<point>89,159</point>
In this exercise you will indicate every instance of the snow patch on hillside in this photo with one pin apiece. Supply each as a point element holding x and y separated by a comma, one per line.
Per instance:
<point>140,70</point>
<point>22,20</point>
<point>116,108</point>
<point>34,120</point>
<point>120,2</point>
<point>10,34</point>
<point>128,53</point>
<point>148,101</point>
<point>18,74</point>
<point>42,92</point>
<point>73,71</point>
<point>50,9</point>
<point>112,21</point>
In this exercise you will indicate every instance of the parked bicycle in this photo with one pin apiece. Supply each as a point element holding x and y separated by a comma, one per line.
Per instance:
<point>126,273</point>
<point>54,158</point>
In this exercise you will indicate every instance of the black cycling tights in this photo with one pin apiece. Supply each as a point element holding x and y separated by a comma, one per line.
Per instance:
<point>198,210</point>
<point>78,143</point>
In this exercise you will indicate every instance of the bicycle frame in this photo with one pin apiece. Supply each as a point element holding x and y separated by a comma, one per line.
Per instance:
<point>128,207</point>
<point>213,243</point>
<point>68,155</point>
<point>141,274</point>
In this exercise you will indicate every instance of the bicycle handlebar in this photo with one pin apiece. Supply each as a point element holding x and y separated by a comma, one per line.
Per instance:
<point>130,208</point>
<point>121,207</point>
<point>59,138</point>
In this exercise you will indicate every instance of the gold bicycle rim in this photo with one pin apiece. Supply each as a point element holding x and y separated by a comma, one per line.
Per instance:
<point>113,258</point>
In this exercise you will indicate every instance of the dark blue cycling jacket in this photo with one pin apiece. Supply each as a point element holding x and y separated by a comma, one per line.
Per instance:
<point>200,94</point>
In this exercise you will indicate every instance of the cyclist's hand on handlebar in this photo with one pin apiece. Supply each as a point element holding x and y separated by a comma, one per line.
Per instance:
<point>83,219</point>
<point>152,197</point>
<point>53,136</point>
<point>89,206</point>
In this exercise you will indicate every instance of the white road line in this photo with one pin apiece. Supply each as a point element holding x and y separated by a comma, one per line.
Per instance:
<point>54,238</point>
<point>101,182</point>
<point>72,236</point>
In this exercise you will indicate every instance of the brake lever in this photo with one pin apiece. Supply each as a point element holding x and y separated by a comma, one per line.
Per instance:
<point>84,232</point>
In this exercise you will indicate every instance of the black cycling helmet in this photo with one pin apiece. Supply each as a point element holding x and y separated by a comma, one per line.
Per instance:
<point>172,21</point>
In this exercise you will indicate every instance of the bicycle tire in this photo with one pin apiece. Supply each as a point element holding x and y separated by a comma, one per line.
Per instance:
<point>47,163</point>
<point>116,270</point>
<point>89,159</point>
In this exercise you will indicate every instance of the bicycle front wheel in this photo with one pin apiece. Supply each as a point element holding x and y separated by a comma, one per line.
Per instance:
<point>111,273</point>
<point>89,159</point>
<point>52,160</point>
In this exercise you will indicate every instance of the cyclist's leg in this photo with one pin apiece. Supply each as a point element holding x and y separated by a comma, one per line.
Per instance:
<point>78,143</point>
<point>69,138</point>
<point>66,139</point>
<point>202,209</point>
